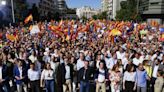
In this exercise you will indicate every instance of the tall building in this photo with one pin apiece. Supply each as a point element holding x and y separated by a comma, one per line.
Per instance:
<point>152,10</point>
<point>62,6</point>
<point>44,6</point>
<point>86,11</point>
<point>113,7</point>
<point>105,5</point>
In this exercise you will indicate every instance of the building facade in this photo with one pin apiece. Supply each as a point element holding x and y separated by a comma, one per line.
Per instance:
<point>152,10</point>
<point>44,6</point>
<point>104,5</point>
<point>86,11</point>
<point>62,6</point>
<point>113,7</point>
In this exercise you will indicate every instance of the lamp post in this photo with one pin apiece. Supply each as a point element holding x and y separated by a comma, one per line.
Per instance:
<point>3,2</point>
<point>12,9</point>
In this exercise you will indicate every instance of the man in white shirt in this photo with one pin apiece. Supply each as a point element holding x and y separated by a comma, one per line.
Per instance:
<point>80,61</point>
<point>101,78</point>
<point>34,77</point>
<point>136,60</point>
<point>120,54</point>
<point>111,62</point>
<point>67,75</point>
<point>125,60</point>
<point>155,71</point>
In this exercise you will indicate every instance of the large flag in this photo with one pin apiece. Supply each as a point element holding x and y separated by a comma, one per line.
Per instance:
<point>115,32</point>
<point>11,37</point>
<point>29,18</point>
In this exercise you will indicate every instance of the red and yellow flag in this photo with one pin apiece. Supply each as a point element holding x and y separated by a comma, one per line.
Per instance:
<point>29,18</point>
<point>11,37</point>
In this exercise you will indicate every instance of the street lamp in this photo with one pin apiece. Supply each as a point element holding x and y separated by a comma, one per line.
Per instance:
<point>3,2</point>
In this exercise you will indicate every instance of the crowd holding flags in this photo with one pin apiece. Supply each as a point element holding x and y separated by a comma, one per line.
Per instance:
<point>65,28</point>
<point>114,45</point>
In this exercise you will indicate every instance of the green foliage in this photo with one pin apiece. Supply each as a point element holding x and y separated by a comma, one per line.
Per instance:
<point>94,17</point>
<point>102,15</point>
<point>128,11</point>
<point>20,8</point>
<point>84,18</point>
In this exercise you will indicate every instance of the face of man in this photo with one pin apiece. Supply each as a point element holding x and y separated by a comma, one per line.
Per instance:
<point>86,63</point>
<point>101,65</point>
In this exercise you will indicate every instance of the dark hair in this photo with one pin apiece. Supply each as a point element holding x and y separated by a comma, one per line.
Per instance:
<point>144,62</point>
<point>129,68</point>
<point>114,67</point>
<point>102,61</point>
<point>32,64</point>
<point>160,72</point>
<point>45,66</point>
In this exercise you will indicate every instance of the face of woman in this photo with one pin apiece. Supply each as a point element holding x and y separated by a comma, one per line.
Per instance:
<point>72,59</point>
<point>117,69</point>
<point>140,67</point>
<point>48,66</point>
<point>32,66</point>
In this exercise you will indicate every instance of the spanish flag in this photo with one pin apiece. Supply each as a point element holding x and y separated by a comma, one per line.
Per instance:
<point>29,18</point>
<point>11,37</point>
<point>162,37</point>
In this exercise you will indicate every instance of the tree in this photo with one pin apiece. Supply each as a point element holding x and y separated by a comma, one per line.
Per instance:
<point>83,18</point>
<point>94,17</point>
<point>35,12</point>
<point>102,15</point>
<point>57,16</point>
<point>128,11</point>
<point>20,10</point>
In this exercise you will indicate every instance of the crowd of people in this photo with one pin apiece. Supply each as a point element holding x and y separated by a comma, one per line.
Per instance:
<point>82,56</point>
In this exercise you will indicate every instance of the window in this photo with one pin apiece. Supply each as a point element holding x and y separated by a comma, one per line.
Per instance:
<point>154,3</point>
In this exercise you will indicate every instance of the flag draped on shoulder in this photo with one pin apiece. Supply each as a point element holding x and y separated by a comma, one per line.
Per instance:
<point>29,18</point>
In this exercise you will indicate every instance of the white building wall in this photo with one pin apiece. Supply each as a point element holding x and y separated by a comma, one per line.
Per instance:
<point>86,11</point>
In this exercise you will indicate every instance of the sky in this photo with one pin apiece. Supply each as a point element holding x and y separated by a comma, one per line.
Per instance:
<point>79,3</point>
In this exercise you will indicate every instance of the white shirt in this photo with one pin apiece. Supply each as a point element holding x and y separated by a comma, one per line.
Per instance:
<point>0,72</point>
<point>20,71</point>
<point>110,63</point>
<point>153,57</point>
<point>67,75</point>
<point>47,74</point>
<point>136,61</point>
<point>155,70</point>
<point>32,58</point>
<point>120,55</point>
<point>80,64</point>
<point>33,75</point>
<point>142,58</point>
<point>101,76</point>
<point>54,66</point>
<point>125,62</point>
<point>129,76</point>
<point>97,63</point>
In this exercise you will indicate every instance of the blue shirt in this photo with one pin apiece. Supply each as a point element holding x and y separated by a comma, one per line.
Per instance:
<point>141,78</point>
